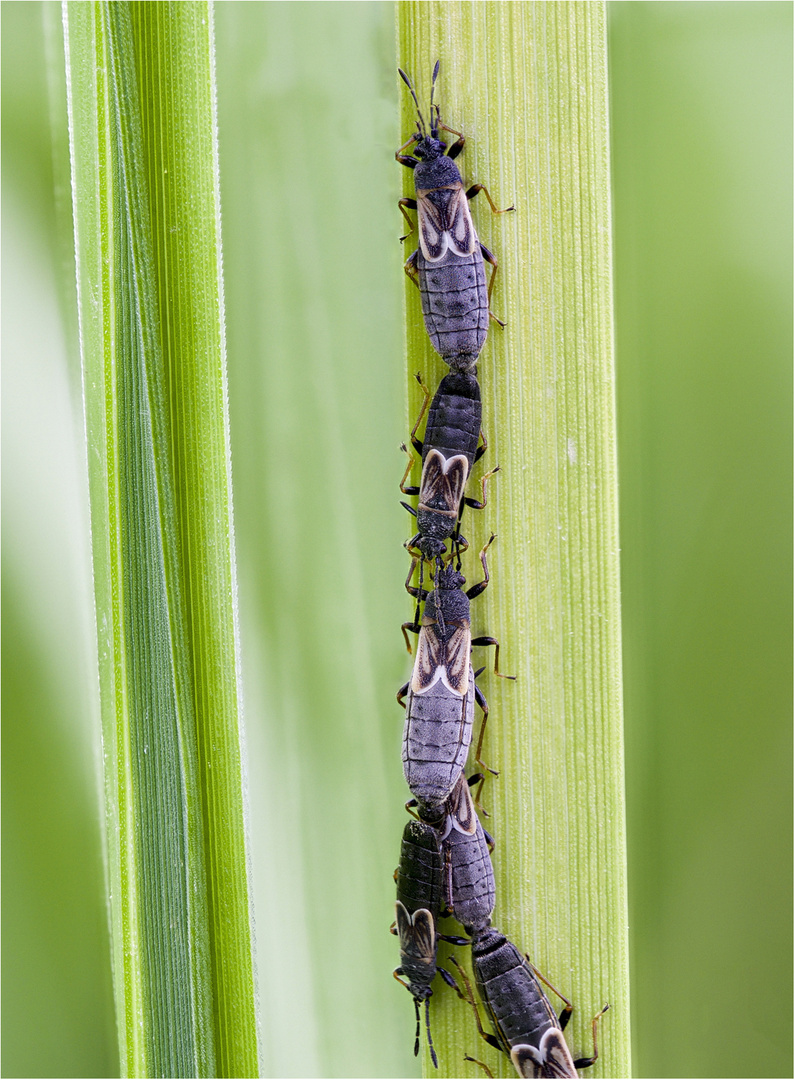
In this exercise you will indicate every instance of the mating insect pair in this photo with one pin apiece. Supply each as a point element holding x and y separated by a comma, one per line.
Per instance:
<point>444,869</point>
<point>442,692</point>
<point>449,449</point>
<point>447,267</point>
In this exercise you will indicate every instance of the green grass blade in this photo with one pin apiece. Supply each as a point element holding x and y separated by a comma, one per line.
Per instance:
<point>527,84</point>
<point>145,196</point>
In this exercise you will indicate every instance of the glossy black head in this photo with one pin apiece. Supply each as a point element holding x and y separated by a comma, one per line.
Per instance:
<point>428,144</point>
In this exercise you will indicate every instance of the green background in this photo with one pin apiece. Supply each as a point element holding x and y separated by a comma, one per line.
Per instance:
<point>701,113</point>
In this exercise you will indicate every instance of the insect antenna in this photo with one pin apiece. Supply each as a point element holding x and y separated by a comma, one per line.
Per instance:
<point>434,126</point>
<point>407,81</point>
<point>428,1030</point>
<point>438,598</point>
<point>456,554</point>
<point>417,1014</point>
<point>419,592</point>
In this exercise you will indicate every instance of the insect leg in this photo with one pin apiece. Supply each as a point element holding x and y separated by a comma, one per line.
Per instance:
<point>412,205</point>
<point>412,490</point>
<point>458,543</point>
<point>479,779</point>
<point>410,266</point>
<point>416,590</point>
<point>492,260</point>
<point>481,450</point>
<point>493,641</point>
<point>414,441</point>
<point>469,998</point>
<point>405,159</point>
<point>420,594</point>
<point>487,1071</point>
<point>565,1016</point>
<point>414,627</point>
<point>401,695</point>
<point>455,148</point>
<point>480,699</point>
<point>473,503</point>
<point>585,1063</point>
<point>452,939</point>
<point>473,191</point>
<point>476,590</point>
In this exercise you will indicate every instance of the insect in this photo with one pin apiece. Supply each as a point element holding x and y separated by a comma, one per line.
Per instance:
<point>467,874</point>
<point>448,450</point>
<point>526,1026</point>
<point>441,692</point>
<point>419,898</point>
<point>447,267</point>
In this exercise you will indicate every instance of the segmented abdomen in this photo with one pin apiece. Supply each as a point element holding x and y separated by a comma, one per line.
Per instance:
<point>471,877</point>
<point>454,417</point>
<point>455,306</point>
<point>419,873</point>
<point>510,990</point>
<point>436,738</point>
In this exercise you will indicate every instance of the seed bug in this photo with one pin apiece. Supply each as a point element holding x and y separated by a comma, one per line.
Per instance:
<point>448,451</point>
<point>419,897</point>
<point>526,1026</point>
<point>447,267</point>
<point>467,874</point>
<point>441,692</point>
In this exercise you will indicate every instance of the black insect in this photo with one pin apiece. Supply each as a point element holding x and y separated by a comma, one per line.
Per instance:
<point>526,1026</point>
<point>448,265</point>
<point>468,877</point>
<point>419,899</point>
<point>448,450</point>
<point>441,692</point>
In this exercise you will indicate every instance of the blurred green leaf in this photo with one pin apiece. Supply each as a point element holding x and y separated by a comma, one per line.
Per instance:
<point>702,114</point>
<point>145,188</point>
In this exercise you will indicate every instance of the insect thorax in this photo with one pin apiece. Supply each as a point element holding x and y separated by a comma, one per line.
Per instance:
<point>441,172</point>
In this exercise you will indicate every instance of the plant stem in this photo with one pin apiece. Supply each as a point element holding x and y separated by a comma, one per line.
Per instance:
<point>527,84</point>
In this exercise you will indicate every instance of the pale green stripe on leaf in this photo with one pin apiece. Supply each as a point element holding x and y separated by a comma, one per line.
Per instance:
<point>527,84</point>
<point>145,193</point>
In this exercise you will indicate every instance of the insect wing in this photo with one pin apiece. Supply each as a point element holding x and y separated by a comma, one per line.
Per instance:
<point>417,933</point>
<point>446,227</point>
<point>462,237</point>
<point>525,1061</point>
<point>434,237</point>
<point>427,666</point>
<point>556,1056</point>
<point>461,809</point>
<point>454,672</point>
<point>551,1059</point>
<point>443,481</point>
